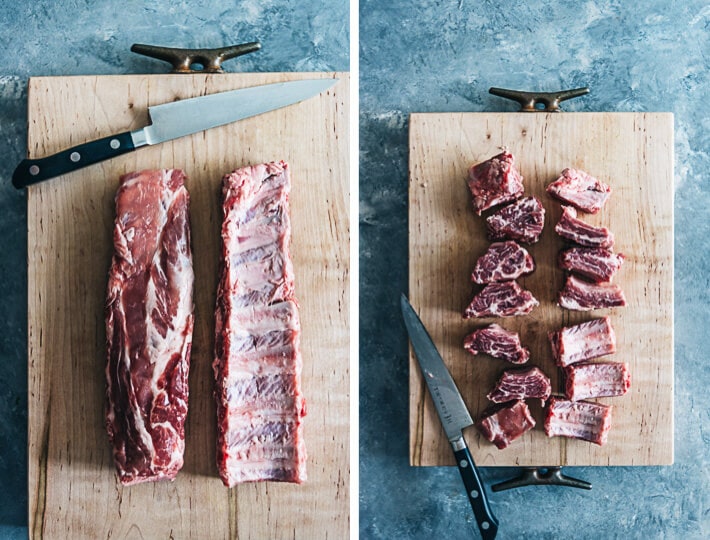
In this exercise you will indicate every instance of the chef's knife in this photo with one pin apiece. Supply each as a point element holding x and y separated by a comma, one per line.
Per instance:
<point>453,414</point>
<point>170,121</point>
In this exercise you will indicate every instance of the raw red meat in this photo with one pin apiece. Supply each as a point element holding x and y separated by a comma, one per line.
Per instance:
<point>504,261</point>
<point>505,299</point>
<point>497,342</point>
<point>494,181</point>
<point>578,419</point>
<point>583,341</point>
<point>522,220</point>
<point>581,295</point>
<point>578,231</point>
<point>521,384</point>
<point>593,380</point>
<point>149,324</point>
<point>502,425</point>
<point>258,364</point>
<point>597,264</point>
<point>581,190</point>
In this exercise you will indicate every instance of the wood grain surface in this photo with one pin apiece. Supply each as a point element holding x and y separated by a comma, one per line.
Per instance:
<point>632,152</point>
<point>73,490</point>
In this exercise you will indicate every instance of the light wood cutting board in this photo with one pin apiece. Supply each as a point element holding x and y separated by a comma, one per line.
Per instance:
<point>632,152</point>
<point>73,491</point>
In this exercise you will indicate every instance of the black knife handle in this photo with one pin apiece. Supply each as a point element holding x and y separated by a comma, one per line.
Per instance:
<point>487,523</point>
<point>32,171</point>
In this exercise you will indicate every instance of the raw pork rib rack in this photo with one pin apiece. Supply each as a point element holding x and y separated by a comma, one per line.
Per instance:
<point>149,325</point>
<point>258,364</point>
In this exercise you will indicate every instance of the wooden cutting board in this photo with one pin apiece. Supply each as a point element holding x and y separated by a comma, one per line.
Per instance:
<point>632,152</point>
<point>73,491</point>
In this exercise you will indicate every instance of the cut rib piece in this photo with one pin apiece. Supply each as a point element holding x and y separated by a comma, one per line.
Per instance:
<point>578,419</point>
<point>494,181</point>
<point>594,380</point>
<point>580,189</point>
<point>505,299</point>
<point>521,384</point>
<point>149,325</point>
<point>581,295</point>
<point>502,425</point>
<point>258,364</point>
<point>597,264</point>
<point>497,342</point>
<point>583,341</point>
<point>578,231</point>
<point>504,261</point>
<point>522,220</point>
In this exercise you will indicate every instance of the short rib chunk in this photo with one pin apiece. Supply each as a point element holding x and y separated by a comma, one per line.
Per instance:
<point>502,425</point>
<point>504,261</point>
<point>572,228</point>
<point>578,419</point>
<point>581,190</point>
<point>497,342</point>
<point>583,341</point>
<point>521,384</point>
<point>581,295</point>
<point>505,299</point>
<point>258,364</point>
<point>149,325</point>
<point>597,264</point>
<point>593,380</point>
<point>522,220</point>
<point>494,181</point>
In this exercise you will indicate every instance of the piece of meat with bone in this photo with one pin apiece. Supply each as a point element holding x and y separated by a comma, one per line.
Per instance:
<point>258,364</point>
<point>502,425</point>
<point>580,189</point>
<point>505,299</point>
<point>578,419</point>
<point>572,228</point>
<point>517,384</point>
<point>149,322</point>
<point>522,220</point>
<point>597,264</point>
<point>579,295</point>
<point>584,341</point>
<point>494,181</point>
<point>497,342</point>
<point>503,261</point>
<point>594,380</point>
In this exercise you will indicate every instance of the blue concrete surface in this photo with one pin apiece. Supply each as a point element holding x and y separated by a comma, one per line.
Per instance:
<point>435,55</point>
<point>76,37</point>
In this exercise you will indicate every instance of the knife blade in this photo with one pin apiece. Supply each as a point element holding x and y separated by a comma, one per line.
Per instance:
<point>453,414</point>
<point>171,121</point>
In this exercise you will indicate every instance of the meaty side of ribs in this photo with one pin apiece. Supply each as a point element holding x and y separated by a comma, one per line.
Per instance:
<point>497,342</point>
<point>593,380</point>
<point>597,264</point>
<point>581,295</point>
<point>583,342</point>
<point>258,364</point>
<point>505,299</point>
<point>494,181</point>
<point>578,231</point>
<point>522,220</point>
<point>503,261</point>
<point>521,384</point>
<point>580,189</point>
<point>149,321</point>
<point>502,425</point>
<point>578,419</point>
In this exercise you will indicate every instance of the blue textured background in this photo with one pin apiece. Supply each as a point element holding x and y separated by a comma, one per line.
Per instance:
<point>75,37</point>
<point>437,55</point>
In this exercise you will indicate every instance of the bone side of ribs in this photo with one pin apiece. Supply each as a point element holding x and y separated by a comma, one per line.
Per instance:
<point>578,419</point>
<point>258,363</point>
<point>594,380</point>
<point>583,341</point>
<point>149,323</point>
